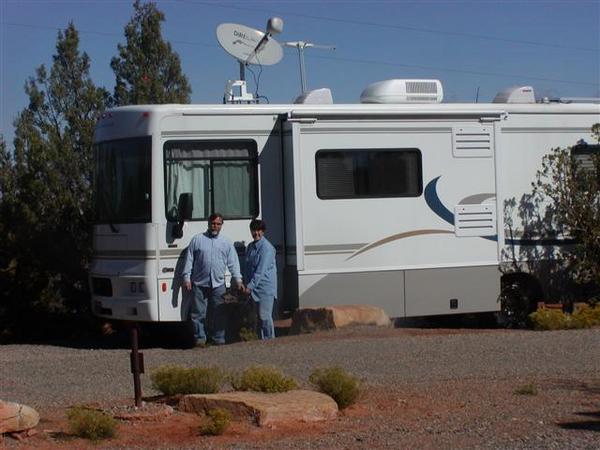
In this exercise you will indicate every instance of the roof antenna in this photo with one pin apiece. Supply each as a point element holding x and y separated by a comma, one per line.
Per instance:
<point>301,45</point>
<point>477,95</point>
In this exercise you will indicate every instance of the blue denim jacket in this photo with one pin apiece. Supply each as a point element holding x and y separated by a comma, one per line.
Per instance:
<point>206,259</point>
<point>261,270</point>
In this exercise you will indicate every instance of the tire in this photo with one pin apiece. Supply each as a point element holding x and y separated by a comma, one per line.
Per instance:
<point>519,297</point>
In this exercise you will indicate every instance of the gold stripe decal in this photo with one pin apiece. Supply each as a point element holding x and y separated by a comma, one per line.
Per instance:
<point>397,237</point>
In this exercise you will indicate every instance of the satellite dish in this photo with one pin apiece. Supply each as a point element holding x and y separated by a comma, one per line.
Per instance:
<point>249,46</point>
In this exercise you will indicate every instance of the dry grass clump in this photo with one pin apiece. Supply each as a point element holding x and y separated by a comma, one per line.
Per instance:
<point>263,379</point>
<point>336,383</point>
<point>248,334</point>
<point>526,389</point>
<point>216,422</point>
<point>171,380</point>
<point>91,424</point>
<point>548,319</point>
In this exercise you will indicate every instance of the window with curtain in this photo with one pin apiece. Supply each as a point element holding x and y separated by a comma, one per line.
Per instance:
<point>222,176</point>
<point>372,173</point>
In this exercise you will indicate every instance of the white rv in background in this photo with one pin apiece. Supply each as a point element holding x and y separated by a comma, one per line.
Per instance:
<point>397,205</point>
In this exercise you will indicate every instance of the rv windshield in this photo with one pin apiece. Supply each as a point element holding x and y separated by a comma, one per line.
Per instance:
<point>122,180</point>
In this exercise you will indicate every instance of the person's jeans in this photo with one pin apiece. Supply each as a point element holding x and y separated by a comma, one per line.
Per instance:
<point>208,302</point>
<point>265,315</point>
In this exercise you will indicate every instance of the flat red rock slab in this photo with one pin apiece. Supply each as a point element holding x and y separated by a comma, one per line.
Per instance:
<point>266,409</point>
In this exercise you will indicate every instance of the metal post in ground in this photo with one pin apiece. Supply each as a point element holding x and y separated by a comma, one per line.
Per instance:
<point>137,364</point>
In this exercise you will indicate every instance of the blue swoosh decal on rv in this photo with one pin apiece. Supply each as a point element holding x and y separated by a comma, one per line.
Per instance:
<point>435,204</point>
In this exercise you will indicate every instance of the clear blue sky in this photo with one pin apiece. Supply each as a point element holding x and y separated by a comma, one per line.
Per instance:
<point>552,45</point>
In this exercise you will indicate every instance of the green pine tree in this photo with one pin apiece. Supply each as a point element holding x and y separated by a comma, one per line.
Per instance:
<point>46,195</point>
<point>147,70</point>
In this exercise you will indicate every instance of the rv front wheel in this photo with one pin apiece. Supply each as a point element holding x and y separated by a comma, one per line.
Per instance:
<point>519,296</point>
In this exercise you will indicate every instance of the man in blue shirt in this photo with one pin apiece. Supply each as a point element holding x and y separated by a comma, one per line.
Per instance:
<point>207,257</point>
<point>261,276</point>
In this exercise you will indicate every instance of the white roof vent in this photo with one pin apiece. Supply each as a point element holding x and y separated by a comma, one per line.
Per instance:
<point>403,91</point>
<point>316,97</point>
<point>515,94</point>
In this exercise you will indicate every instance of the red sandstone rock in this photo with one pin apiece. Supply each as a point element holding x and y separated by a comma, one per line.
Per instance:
<point>307,320</point>
<point>266,409</point>
<point>15,417</point>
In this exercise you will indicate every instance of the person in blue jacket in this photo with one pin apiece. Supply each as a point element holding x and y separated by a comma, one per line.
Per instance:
<point>261,276</point>
<point>206,260</point>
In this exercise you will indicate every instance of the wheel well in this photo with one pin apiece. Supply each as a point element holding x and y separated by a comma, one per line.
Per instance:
<point>526,282</point>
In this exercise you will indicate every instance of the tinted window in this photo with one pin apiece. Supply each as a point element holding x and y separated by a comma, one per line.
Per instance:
<point>368,173</point>
<point>587,156</point>
<point>122,180</point>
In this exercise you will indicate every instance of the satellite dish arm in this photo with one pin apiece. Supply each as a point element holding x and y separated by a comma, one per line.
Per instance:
<point>274,26</point>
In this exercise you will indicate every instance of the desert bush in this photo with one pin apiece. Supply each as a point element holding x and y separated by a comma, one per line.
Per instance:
<point>587,317</point>
<point>526,389</point>
<point>91,424</point>
<point>263,379</point>
<point>571,190</point>
<point>336,383</point>
<point>545,319</point>
<point>550,319</point>
<point>216,422</point>
<point>171,380</point>
<point>248,334</point>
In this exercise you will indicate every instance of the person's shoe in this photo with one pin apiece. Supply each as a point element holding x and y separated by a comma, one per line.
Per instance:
<point>200,344</point>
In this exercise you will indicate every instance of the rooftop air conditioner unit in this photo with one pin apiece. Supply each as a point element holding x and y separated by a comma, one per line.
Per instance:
<point>515,94</point>
<point>403,91</point>
<point>316,97</point>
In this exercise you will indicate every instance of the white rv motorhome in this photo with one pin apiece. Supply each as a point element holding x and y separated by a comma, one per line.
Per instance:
<point>397,205</point>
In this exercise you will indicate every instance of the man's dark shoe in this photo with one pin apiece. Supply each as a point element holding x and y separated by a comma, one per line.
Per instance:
<point>200,344</point>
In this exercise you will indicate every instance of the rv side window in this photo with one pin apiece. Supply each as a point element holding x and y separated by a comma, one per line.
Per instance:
<point>584,153</point>
<point>220,175</point>
<point>369,173</point>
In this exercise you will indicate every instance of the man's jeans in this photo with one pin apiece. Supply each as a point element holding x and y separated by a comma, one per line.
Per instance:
<point>265,315</point>
<point>208,302</point>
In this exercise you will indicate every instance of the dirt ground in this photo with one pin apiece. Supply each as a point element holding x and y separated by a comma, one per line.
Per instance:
<point>460,415</point>
<point>468,413</point>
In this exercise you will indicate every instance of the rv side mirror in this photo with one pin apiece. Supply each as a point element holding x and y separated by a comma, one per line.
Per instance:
<point>185,207</point>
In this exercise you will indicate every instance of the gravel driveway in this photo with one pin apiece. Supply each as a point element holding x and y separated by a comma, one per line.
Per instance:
<point>44,376</point>
<point>423,388</point>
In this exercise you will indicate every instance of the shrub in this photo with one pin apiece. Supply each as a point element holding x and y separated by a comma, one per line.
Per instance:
<point>545,319</point>
<point>587,317</point>
<point>526,389</point>
<point>216,422</point>
<point>248,334</point>
<point>550,319</point>
<point>336,383</point>
<point>171,380</point>
<point>263,379</point>
<point>91,424</point>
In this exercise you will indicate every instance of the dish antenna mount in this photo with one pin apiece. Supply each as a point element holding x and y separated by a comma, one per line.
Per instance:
<point>249,46</point>
<point>301,45</point>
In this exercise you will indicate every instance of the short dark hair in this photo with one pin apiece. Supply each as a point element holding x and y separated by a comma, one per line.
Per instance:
<point>257,225</point>
<point>214,216</point>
